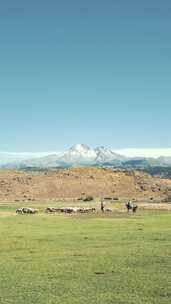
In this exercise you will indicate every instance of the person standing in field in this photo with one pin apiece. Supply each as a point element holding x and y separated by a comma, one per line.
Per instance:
<point>102,206</point>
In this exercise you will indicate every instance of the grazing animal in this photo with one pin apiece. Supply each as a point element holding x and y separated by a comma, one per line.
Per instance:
<point>134,208</point>
<point>19,211</point>
<point>52,209</point>
<point>108,210</point>
<point>69,210</point>
<point>86,210</point>
<point>26,211</point>
<point>131,206</point>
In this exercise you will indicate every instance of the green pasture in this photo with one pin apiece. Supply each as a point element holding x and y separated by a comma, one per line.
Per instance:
<point>118,258</point>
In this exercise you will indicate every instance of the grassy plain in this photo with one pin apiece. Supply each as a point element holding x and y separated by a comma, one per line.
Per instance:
<point>114,258</point>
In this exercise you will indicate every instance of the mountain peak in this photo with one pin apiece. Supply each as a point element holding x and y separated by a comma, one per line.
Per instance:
<point>101,149</point>
<point>80,148</point>
<point>81,152</point>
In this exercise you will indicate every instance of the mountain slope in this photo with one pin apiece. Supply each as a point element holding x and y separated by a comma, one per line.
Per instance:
<point>82,155</point>
<point>104,155</point>
<point>78,155</point>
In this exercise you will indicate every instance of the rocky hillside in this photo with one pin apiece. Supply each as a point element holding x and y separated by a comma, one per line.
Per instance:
<point>77,182</point>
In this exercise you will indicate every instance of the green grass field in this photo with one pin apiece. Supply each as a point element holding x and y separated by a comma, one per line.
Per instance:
<point>50,259</point>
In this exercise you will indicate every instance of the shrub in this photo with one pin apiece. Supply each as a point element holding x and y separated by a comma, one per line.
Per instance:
<point>88,198</point>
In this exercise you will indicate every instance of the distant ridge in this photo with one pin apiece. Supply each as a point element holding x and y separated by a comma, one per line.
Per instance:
<point>83,155</point>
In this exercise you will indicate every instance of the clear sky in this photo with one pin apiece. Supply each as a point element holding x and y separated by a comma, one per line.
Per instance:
<point>94,72</point>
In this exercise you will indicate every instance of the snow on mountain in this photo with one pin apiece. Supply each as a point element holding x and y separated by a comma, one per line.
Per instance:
<point>81,149</point>
<point>79,152</point>
<point>82,155</point>
<point>78,155</point>
<point>105,155</point>
<point>46,161</point>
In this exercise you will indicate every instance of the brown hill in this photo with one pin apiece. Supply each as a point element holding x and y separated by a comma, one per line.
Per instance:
<point>74,183</point>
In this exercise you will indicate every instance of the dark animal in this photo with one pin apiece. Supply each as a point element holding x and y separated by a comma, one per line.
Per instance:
<point>52,210</point>
<point>131,206</point>
<point>19,211</point>
<point>134,208</point>
<point>86,210</point>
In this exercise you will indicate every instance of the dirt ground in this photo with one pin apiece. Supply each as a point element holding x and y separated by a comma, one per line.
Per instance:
<point>75,183</point>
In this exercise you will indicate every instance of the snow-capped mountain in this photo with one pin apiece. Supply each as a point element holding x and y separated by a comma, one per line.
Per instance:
<point>104,155</point>
<point>82,155</point>
<point>78,155</point>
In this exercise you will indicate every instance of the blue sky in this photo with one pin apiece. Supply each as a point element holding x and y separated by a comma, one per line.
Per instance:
<point>94,72</point>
